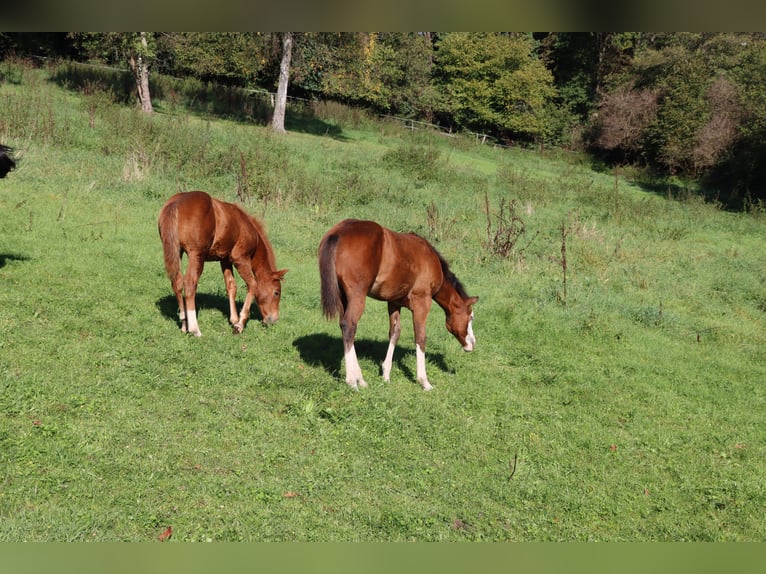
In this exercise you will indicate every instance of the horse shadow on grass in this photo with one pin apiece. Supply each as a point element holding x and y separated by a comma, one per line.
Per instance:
<point>168,306</point>
<point>6,257</point>
<point>325,351</point>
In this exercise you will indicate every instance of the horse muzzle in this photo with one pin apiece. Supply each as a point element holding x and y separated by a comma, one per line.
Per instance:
<point>470,339</point>
<point>270,320</point>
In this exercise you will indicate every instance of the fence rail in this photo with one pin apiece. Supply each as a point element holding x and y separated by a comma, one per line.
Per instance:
<point>417,124</point>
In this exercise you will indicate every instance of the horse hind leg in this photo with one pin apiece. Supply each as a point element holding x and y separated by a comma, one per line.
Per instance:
<point>348,323</point>
<point>354,378</point>
<point>193,272</point>
<point>178,288</point>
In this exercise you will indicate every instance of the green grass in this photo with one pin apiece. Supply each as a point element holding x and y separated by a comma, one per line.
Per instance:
<point>635,411</point>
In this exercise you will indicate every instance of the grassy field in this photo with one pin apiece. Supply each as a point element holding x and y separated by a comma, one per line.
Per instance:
<point>616,392</point>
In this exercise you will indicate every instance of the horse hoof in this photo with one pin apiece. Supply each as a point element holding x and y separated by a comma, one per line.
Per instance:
<point>237,328</point>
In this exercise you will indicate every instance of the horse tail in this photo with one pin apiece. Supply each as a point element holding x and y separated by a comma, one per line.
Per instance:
<point>171,246</point>
<point>332,304</point>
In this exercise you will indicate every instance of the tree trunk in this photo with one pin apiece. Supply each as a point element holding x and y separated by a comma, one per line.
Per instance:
<point>278,121</point>
<point>140,69</point>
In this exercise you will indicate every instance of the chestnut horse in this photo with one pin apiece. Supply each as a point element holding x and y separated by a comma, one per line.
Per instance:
<point>360,259</point>
<point>207,229</point>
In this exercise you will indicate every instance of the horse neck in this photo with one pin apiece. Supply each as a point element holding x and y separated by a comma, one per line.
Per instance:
<point>447,296</point>
<point>264,254</point>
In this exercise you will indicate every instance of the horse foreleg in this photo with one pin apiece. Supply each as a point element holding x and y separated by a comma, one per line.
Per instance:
<point>244,314</point>
<point>420,353</point>
<point>193,272</point>
<point>348,323</point>
<point>394,330</point>
<point>419,315</point>
<point>246,272</point>
<point>231,290</point>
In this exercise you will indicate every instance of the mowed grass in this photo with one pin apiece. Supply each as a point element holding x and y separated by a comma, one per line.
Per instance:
<point>629,406</point>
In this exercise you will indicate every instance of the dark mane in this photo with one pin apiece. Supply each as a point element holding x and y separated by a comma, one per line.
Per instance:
<point>449,276</point>
<point>261,230</point>
<point>258,224</point>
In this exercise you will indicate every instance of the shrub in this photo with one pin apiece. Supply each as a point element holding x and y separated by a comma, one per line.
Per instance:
<point>622,119</point>
<point>418,162</point>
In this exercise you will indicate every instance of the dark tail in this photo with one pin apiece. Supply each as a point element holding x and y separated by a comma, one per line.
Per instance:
<point>332,303</point>
<point>171,247</point>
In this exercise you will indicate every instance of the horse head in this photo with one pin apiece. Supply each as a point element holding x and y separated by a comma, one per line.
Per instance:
<point>268,295</point>
<point>460,321</point>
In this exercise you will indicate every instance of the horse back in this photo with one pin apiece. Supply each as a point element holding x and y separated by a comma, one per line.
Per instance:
<point>193,217</point>
<point>383,263</point>
<point>211,228</point>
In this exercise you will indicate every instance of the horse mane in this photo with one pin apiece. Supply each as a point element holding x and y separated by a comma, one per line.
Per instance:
<point>450,277</point>
<point>261,230</point>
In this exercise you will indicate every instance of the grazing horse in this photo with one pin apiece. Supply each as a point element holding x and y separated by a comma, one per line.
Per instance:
<point>7,163</point>
<point>207,229</point>
<point>360,259</point>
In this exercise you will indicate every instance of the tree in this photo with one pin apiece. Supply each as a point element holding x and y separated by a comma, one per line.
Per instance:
<point>494,83</point>
<point>139,65</point>
<point>675,106</point>
<point>722,128</point>
<point>135,48</point>
<point>582,62</point>
<point>403,64</point>
<point>740,174</point>
<point>622,121</point>
<point>336,65</point>
<point>231,58</point>
<point>278,121</point>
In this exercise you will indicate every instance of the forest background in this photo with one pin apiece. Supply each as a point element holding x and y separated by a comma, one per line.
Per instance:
<point>686,107</point>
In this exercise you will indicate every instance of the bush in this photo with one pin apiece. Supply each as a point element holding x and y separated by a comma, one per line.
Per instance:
<point>415,161</point>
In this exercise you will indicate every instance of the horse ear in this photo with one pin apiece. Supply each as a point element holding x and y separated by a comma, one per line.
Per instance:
<point>279,274</point>
<point>472,300</point>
